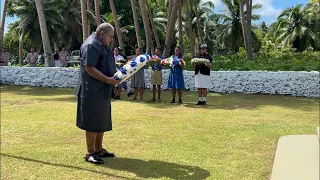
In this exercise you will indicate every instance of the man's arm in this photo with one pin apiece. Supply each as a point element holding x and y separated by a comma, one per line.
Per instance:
<point>95,73</point>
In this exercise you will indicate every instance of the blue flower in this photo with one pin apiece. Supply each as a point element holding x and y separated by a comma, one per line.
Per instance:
<point>123,70</point>
<point>142,59</point>
<point>133,64</point>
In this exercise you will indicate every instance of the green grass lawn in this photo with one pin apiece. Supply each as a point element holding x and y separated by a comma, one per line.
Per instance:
<point>234,137</point>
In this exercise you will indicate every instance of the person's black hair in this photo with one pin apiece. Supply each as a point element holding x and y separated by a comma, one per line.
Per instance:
<point>180,55</point>
<point>56,56</point>
<point>139,49</point>
<point>159,48</point>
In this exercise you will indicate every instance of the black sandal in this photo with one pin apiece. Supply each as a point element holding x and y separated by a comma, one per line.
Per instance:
<point>105,153</point>
<point>93,158</point>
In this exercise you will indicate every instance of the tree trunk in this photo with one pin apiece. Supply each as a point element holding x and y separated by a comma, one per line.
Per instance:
<point>169,12</point>
<point>146,25</point>
<point>89,8</point>
<point>5,7</point>
<point>155,33</point>
<point>180,31</point>
<point>190,32</point>
<point>245,18</point>
<point>243,23</point>
<point>198,23</point>
<point>84,20</point>
<point>44,34</point>
<point>116,23</point>
<point>56,47</point>
<point>97,11</point>
<point>170,29</point>
<point>248,33</point>
<point>21,50</point>
<point>136,23</point>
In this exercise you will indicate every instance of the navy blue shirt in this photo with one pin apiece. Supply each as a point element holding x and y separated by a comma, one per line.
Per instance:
<point>203,69</point>
<point>94,53</point>
<point>157,67</point>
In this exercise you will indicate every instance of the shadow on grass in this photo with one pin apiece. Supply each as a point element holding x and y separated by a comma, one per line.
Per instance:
<point>215,100</point>
<point>142,169</point>
<point>157,169</point>
<point>62,165</point>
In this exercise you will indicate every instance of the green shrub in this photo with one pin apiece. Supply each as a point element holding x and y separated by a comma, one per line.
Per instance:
<point>275,60</point>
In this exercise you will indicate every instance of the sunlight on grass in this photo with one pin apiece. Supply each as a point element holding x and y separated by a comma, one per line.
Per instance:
<point>233,138</point>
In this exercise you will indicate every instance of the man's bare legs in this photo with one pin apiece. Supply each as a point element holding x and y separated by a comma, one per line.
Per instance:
<point>98,142</point>
<point>90,138</point>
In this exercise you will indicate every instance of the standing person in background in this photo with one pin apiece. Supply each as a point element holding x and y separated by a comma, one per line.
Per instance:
<point>202,75</point>
<point>124,85</point>
<point>4,58</point>
<point>156,76</point>
<point>137,81</point>
<point>176,79</point>
<point>56,59</point>
<point>63,57</point>
<point>32,58</point>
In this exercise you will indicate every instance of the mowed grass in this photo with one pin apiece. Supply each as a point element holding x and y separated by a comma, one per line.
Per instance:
<point>235,137</point>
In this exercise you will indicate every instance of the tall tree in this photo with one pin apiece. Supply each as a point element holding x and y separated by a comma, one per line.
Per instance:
<point>84,20</point>
<point>49,61</point>
<point>190,32</point>
<point>294,29</point>
<point>155,33</point>
<point>245,18</point>
<point>5,7</point>
<point>97,11</point>
<point>116,23</point>
<point>200,37</point>
<point>136,23</point>
<point>147,30</point>
<point>229,28</point>
<point>180,30</point>
<point>169,11</point>
<point>170,29</point>
<point>88,9</point>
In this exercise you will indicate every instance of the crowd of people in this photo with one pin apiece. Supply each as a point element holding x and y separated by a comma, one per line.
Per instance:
<point>175,79</point>
<point>96,84</point>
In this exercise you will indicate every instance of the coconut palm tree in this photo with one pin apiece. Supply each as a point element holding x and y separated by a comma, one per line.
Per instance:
<point>180,29</point>
<point>27,12</point>
<point>116,22</point>
<point>2,22</point>
<point>136,23</point>
<point>49,61</point>
<point>97,12</point>
<point>294,29</point>
<point>146,23</point>
<point>229,29</point>
<point>84,19</point>
<point>245,18</point>
<point>71,12</point>
<point>190,31</point>
<point>170,29</point>
<point>153,26</point>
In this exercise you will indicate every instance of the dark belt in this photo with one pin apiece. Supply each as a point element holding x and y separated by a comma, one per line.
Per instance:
<point>156,70</point>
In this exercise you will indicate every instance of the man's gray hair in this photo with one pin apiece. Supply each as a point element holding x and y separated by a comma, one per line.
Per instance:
<point>104,27</point>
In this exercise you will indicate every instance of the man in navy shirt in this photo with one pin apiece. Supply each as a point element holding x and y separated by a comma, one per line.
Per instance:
<point>156,75</point>
<point>94,88</point>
